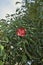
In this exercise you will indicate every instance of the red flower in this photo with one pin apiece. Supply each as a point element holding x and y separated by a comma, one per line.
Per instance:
<point>21,32</point>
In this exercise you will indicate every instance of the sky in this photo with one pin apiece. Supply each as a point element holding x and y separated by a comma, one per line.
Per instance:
<point>8,7</point>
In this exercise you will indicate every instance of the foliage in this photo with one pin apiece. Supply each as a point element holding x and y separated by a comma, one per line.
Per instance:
<point>16,49</point>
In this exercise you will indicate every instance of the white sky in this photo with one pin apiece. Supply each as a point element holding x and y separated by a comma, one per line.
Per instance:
<point>8,7</point>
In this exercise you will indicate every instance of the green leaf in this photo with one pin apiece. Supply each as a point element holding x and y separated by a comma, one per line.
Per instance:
<point>1,63</point>
<point>1,50</point>
<point>17,2</point>
<point>1,47</point>
<point>24,58</point>
<point>17,9</point>
<point>19,12</point>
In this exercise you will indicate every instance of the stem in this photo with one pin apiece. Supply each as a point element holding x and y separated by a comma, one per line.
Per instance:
<point>26,52</point>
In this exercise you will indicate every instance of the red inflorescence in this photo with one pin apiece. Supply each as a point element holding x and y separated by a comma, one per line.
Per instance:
<point>21,32</point>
